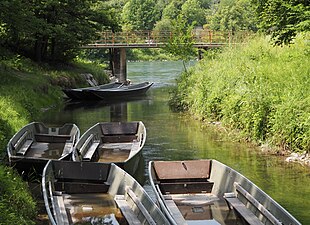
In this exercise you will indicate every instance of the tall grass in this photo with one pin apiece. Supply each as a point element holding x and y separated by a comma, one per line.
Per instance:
<point>25,89</point>
<point>259,89</point>
<point>16,203</point>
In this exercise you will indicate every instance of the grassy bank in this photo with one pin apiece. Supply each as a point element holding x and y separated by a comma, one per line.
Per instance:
<point>26,90</point>
<point>259,90</point>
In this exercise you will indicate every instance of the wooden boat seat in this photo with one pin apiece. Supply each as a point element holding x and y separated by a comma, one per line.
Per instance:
<point>128,210</point>
<point>89,147</point>
<point>233,200</point>
<point>23,144</point>
<point>67,148</point>
<point>182,170</point>
<point>26,146</point>
<point>186,186</point>
<point>51,137</point>
<point>128,213</point>
<point>175,212</point>
<point>130,128</point>
<point>135,146</point>
<point>118,138</point>
<point>60,210</point>
<point>91,151</point>
<point>184,176</point>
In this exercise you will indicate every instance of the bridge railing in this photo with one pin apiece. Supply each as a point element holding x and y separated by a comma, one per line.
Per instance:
<point>153,38</point>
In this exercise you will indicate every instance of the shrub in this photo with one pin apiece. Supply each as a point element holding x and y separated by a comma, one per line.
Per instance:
<point>259,89</point>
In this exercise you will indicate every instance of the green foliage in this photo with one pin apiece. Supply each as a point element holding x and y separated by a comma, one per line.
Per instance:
<point>26,88</point>
<point>283,19</point>
<point>193,12</point>
<point>234,15</point>
<point>260,90</point>
<point>50,29</point>
<point>16,203</point>
<point>148,55</point>
<point>172,9</point>
<point>140,14</point>
<point>181,43</point>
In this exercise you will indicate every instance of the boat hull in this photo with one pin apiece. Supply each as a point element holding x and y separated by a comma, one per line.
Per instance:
<point>32,146</point>
<point>123,91</point>
<point>78,192</point>
<point>117,142</point>
<point>206,182</point>
<point>86,93</point>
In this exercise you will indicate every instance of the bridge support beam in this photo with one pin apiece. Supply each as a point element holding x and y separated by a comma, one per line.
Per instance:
<point>119,64</point>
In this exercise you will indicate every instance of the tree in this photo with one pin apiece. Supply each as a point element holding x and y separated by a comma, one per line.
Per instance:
<point>232,15</point>
<point>173,9</point>
<point>193,12</point>
<point>181,42</point>
<point>283,19</point>
<point>50,29</point>
<point>140,15</point>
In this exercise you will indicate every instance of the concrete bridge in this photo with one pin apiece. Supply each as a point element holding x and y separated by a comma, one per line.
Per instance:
<point>118,42</point>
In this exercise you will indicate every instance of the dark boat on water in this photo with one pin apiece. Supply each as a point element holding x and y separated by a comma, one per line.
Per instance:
<point>121,91</point>
<point>108,91</point>
<point>96,193</point>
<point>86,93</point>
<point>117,142</point>
<point>34,144</point>
<point>209,192</point>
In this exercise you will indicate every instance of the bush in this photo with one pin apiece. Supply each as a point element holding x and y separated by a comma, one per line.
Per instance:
<point>259,89</point>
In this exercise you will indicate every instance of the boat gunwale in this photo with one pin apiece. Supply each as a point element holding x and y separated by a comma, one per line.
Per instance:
<point>238,176</point>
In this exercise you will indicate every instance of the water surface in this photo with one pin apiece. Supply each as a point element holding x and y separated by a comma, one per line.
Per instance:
<point>173,136</point>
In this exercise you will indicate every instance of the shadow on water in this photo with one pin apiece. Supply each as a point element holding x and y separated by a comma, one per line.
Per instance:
<point>172,136</point>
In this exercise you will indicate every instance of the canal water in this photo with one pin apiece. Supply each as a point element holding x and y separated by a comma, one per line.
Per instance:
<point>174,136</point>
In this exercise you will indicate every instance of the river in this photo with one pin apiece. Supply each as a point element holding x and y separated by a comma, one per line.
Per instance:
<point>173,136</point>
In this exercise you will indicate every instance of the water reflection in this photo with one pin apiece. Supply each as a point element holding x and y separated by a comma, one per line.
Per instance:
<point>172,136</point>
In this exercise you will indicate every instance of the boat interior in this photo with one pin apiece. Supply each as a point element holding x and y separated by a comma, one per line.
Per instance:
<point>40,141</point>
<point>114,142</point>
<point>96,193</point>
<point>191,188</point>
<point>187,191</point>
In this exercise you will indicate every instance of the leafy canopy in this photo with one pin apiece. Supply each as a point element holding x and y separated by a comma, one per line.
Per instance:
<point>283,19</point>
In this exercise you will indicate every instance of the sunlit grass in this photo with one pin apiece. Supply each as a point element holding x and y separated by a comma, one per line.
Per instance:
<point>259,89</point>
<point>26,88</point>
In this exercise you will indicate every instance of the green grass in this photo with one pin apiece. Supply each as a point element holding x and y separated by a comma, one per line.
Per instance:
<point>260,90</point>
<point>26,89</point>
<point>16,203</point>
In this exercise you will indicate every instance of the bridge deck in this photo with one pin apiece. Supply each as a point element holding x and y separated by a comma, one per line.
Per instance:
<point>148,39</point>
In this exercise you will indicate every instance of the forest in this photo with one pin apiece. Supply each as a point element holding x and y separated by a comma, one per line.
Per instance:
<point>53,31</point>
<point>264,91</point>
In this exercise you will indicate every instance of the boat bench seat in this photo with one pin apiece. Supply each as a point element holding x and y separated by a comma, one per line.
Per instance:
<point>135,146</point>
<point>26,146</point>
<point>91,151</point>
<point>179,187</point>
<point>132,208</point>
<point>175,212</point>
<point>23,144</point>
<point>118,138</point>
<point>233,200</point>
<point>126,210</point>
<point>67,148</point>
<point>129,128</point>
<point>56,138</point>
<point>60,210</point>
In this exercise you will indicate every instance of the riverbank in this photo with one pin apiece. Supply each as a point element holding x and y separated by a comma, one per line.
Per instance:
<point>259,90</point>
<point>26,90</point>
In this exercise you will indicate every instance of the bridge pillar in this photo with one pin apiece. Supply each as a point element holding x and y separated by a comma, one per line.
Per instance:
<point>119,64</point>
<point>123,65</point>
